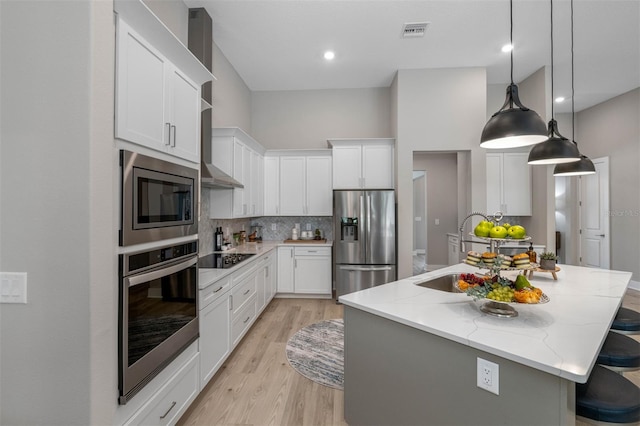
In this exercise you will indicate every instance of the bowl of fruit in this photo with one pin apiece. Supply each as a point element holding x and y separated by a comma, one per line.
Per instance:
<point>500,292</point>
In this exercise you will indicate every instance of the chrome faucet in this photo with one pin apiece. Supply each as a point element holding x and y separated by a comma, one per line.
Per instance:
<point>462,240</point>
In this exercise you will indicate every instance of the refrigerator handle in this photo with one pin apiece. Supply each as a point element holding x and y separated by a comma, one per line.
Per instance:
<point>369,248</point>
<point>363,236</point>
<point>365,268</point>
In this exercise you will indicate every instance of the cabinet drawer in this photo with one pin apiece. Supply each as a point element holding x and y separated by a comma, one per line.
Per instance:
<point>312,251</point>
<point>242,320</point>
<point>214,291</point>
<point>172,400</point>
<point>242,292</point>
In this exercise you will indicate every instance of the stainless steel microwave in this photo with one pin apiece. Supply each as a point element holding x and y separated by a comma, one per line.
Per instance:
<point>159,199</point>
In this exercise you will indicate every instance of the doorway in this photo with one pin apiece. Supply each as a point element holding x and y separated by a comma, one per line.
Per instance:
<point>594,216</point>
<point>419,222</point>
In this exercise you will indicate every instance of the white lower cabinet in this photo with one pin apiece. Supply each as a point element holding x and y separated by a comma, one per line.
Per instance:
<point>285,269</point>
<point>215,325</point>
<point>304,270</point>
<point>172,399</point>
<point>454,250</point>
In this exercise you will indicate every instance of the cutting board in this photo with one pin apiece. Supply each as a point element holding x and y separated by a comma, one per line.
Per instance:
<point>323,241</point>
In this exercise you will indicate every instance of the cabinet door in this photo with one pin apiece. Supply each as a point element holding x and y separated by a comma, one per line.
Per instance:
<point>246,181</point>
<point>256,172</point>
<point>319,189</point>
<point>215,340</point>
<point>141,91</point>
<point>347,167</point>
<point>313,274</point>
<point>261,283</point>
<point>185,112</point>
<point>377,166</point>
<point>238,174</point>
<point>494,183</point>
<point>271,271</point>
<point>292,186</point>
<point>271,186</point>
<point>516,184</point>
<point>285,270</point>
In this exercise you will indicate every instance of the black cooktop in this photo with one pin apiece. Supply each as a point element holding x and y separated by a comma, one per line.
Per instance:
<point>222,260</point>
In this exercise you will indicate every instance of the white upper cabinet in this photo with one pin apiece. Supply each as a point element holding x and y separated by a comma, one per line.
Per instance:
<point>157,103</point>
<point>292,186</point>
<point>362,163</point>
<point>239,155</point>
<point>271,186</point>
<point>509,184</point>
<point>298,183</point>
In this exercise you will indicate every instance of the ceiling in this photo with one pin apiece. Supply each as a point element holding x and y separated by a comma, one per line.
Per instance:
<point>279,45</point>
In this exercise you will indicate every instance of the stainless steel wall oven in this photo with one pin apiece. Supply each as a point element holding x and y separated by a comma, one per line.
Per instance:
<point>158,315</point>
<point>159,199</point>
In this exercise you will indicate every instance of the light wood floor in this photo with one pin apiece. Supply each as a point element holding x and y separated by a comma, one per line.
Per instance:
<point>256,385</point>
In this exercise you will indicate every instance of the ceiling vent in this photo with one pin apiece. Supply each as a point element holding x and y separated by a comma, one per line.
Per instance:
<point>414,29</point>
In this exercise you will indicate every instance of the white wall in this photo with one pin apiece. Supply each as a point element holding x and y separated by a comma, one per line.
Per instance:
<point>305,119</point>
<point>442,201</point>
<point>612,129</point>
<point>231,96</point>
<point>56,185</point>
<point>437,110</point>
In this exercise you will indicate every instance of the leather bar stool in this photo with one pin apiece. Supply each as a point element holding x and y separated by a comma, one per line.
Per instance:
<point>627,321</point>
<point>620,353</point>
<point>606,398</point>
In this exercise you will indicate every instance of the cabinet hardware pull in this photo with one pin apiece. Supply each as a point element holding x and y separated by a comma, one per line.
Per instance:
<point>231,304</point>
<point>600,235</point>
<point>168,126</point>
<point>215,291</point>
<point>173,404</point>
<point>174,136</point>
<point>245,321</point>
<point>312,251</point>
<point>246,292</point>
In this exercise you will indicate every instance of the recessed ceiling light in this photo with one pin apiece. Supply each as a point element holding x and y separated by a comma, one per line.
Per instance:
<point>329,55</point>
<point>560,99</point>
<point>507,48</point>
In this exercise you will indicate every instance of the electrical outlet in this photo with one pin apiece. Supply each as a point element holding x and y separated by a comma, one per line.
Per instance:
<point>488,377</point>
<point>308,227</point>
<point>437,221</point>
<point>274,227</point>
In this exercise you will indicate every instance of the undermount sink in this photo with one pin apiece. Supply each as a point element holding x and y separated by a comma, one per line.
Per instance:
<point>443,283</point>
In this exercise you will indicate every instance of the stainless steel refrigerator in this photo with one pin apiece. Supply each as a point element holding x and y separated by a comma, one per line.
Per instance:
<point>364,239</point>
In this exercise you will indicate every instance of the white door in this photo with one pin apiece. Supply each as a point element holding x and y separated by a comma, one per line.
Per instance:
<point>377,166</point>
<point>185,136</point>
<point>347,167</point>
<point>292,186</point>
<point>494,183</point>
<point>594,217</point>
<point>285,270</point>
<point>319,194</point>
<point>271,186</point>
<point>312,274</point>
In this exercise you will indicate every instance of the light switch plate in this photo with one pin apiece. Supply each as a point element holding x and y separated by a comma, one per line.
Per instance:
<point>13,287</point>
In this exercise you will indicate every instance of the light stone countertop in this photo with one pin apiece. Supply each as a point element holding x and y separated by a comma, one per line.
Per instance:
<point>207,276</point>
<point>561,337</point>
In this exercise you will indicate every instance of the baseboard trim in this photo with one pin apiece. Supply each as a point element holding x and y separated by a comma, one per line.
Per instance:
<point>634,285</point>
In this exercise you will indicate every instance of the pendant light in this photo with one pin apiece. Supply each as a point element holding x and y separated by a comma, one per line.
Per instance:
<point>584,166</point>
<point>557,149</point>
<point>513,127</point>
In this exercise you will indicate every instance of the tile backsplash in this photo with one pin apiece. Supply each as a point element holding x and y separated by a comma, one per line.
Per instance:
<point>283,225</point>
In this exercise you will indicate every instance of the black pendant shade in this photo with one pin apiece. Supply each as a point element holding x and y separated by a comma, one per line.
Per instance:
<point>513,127</point>
<point>555,150</point>
<point>582,167</point>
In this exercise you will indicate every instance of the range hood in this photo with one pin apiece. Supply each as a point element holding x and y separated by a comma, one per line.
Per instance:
<point>213,177</point>
<point>200,44</point>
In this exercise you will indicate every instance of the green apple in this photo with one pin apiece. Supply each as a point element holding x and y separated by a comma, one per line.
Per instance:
<point>483,228</point>
<point>517,232</point>
<point>506,226</point>
<point>498,232</point>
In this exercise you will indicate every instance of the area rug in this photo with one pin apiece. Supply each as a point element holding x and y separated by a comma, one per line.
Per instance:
<point>317,352</point>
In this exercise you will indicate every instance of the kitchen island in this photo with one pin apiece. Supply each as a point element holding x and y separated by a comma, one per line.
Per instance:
<point>411,352</point>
